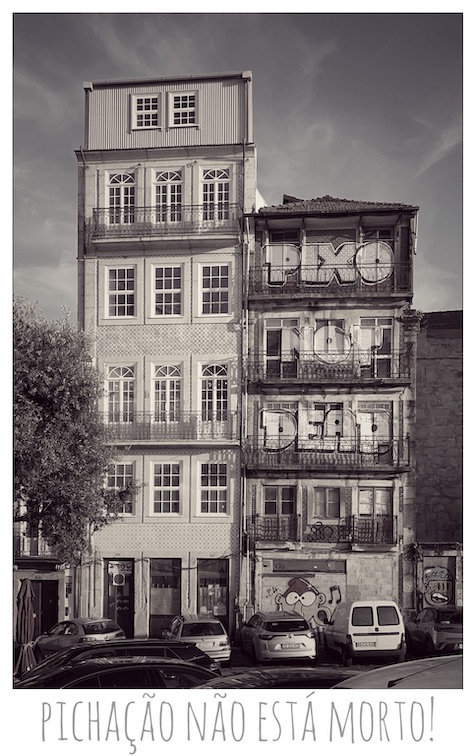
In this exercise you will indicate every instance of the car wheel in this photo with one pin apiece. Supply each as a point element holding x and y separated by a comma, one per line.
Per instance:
<point>429,647</point>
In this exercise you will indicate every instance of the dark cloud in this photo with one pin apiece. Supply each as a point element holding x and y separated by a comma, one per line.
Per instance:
<point>364,106</point>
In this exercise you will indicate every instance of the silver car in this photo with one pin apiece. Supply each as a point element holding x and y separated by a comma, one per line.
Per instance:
<point>206,631</point>
<point>278,635</point>
<point>76,630</point>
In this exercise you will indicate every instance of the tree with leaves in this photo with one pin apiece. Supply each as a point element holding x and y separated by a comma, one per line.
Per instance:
<point>61,452</point>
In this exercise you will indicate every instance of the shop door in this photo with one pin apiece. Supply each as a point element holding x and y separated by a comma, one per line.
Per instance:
<point>165,594</point>
<point>119,599</point>
<point>213,588</point>
<point>45,605</point>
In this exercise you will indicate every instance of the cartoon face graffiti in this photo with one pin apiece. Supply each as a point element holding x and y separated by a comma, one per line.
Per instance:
<point>298,594</point>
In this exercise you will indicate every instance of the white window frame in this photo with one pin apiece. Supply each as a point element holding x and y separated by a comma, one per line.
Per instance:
<point>175,491</point>
<point>168,184</point>
<point>137,110</point>
<point>216,194</point>
<point>215,277</point>
<point>113,295</point>
<point>121,198</point>
<point>172,291</point>
<point>124,406</point>
<point>215,392</point>
<point>121,478</point>
<point>219,493</point>
<point>173,109</point>
<point>170,392</point>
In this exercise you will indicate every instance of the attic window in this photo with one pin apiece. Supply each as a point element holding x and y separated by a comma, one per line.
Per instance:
<point>145,111</point>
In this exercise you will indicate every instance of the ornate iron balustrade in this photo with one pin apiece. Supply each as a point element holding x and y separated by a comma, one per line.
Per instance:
<point>329,280</point>
<point>364,453</point>
<point>178,426</point>
<point>357,365</point>
<point>156,221</point>
<point>381,529</point>
<point>30,547</point>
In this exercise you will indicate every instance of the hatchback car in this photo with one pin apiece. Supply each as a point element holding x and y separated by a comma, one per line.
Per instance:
<point>278,635</point>
<point>126,648</point>
<point>443,672</point>
<point>73,631</point>
<point>137,672</point>
<point>206,631</point>
<point>436,630</point>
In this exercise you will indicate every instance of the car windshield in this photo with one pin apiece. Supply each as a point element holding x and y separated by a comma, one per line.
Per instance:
<point>449,617</point>
<point>96,628</point>
<point>202,628</point>
<point>286,626</point>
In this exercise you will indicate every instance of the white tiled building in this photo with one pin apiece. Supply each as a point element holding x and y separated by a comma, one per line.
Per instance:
<point>166,173</point>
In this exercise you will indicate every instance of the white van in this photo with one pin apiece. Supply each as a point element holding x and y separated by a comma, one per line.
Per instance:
<point>359,629</point>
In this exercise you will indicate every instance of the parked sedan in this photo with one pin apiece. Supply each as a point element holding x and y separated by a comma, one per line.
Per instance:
<point>444,672</point>
<point>76,630</point>
<point>125,648</point>
<point>139,672</point>
<point>436,630</point>
<point>278,635</point>
<point>206,631</point>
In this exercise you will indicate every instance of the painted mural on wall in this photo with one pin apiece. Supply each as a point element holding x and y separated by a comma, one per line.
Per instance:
<point>438,586</point>
<point>301,596</point>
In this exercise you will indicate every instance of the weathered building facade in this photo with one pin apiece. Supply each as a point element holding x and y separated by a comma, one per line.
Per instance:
<point>166,173</point>
<point>438,551</point>
<point>330,367</point>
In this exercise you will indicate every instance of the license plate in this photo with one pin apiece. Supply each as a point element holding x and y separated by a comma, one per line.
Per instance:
<point>366,644</point>
<point>290,645</point>
<point>206,644</point>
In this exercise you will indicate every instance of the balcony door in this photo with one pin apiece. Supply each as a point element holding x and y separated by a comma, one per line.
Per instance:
<point>215,415</point>
<point>375,352</point>
<point>122,187</point>
<point>282,347</point>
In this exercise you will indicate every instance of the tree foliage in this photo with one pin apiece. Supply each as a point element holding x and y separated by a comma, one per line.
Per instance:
<point>60,446</point>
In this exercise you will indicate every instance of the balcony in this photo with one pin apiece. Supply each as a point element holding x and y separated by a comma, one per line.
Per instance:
<point>357,366</point>
<point>351,530</point>
<point>178,426</point>
<point>365,454</point>
<point>159,221</point>
<point>30,547</point>
<point>329,281</point>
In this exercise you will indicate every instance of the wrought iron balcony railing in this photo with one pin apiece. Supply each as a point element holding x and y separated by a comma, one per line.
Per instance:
<point>381,529</point>
<point>329,280</point>
<point>172,426</point>
<point>329,453</point>
<point>356,365</point>
<point>30,547</point>
<point>160,220</point>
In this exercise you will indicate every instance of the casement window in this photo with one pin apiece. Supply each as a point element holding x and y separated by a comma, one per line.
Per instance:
<point>166,488</point>
<point>213,488</point>
<point>279,423</point>
<point>374,502</point>
<point>279,500</point>
<point>167,391</point>
<point>216,194</point>
<point>168,285</point>
<point>120,475</point>
<point>214,392</point>
<point>168,196</point>
<point>145,111</point>
<point>122,188</point>
<point>327,420</point>
<point>326,503</point>
<point>215,289</point>
<point>282,347</point>
<point>330,341</point>
<point>375,348</point>
<point>121,393</point>
<point>121,292</point>
<point>381,234</point>
<point>183,108</point>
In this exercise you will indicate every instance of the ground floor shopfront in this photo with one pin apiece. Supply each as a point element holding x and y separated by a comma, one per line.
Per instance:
<point>143,594</point>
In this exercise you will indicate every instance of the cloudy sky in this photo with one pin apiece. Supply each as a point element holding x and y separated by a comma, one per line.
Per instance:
<point>362,106</point>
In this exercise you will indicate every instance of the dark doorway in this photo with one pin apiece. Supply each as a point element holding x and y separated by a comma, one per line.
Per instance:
<point>45,604</point>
